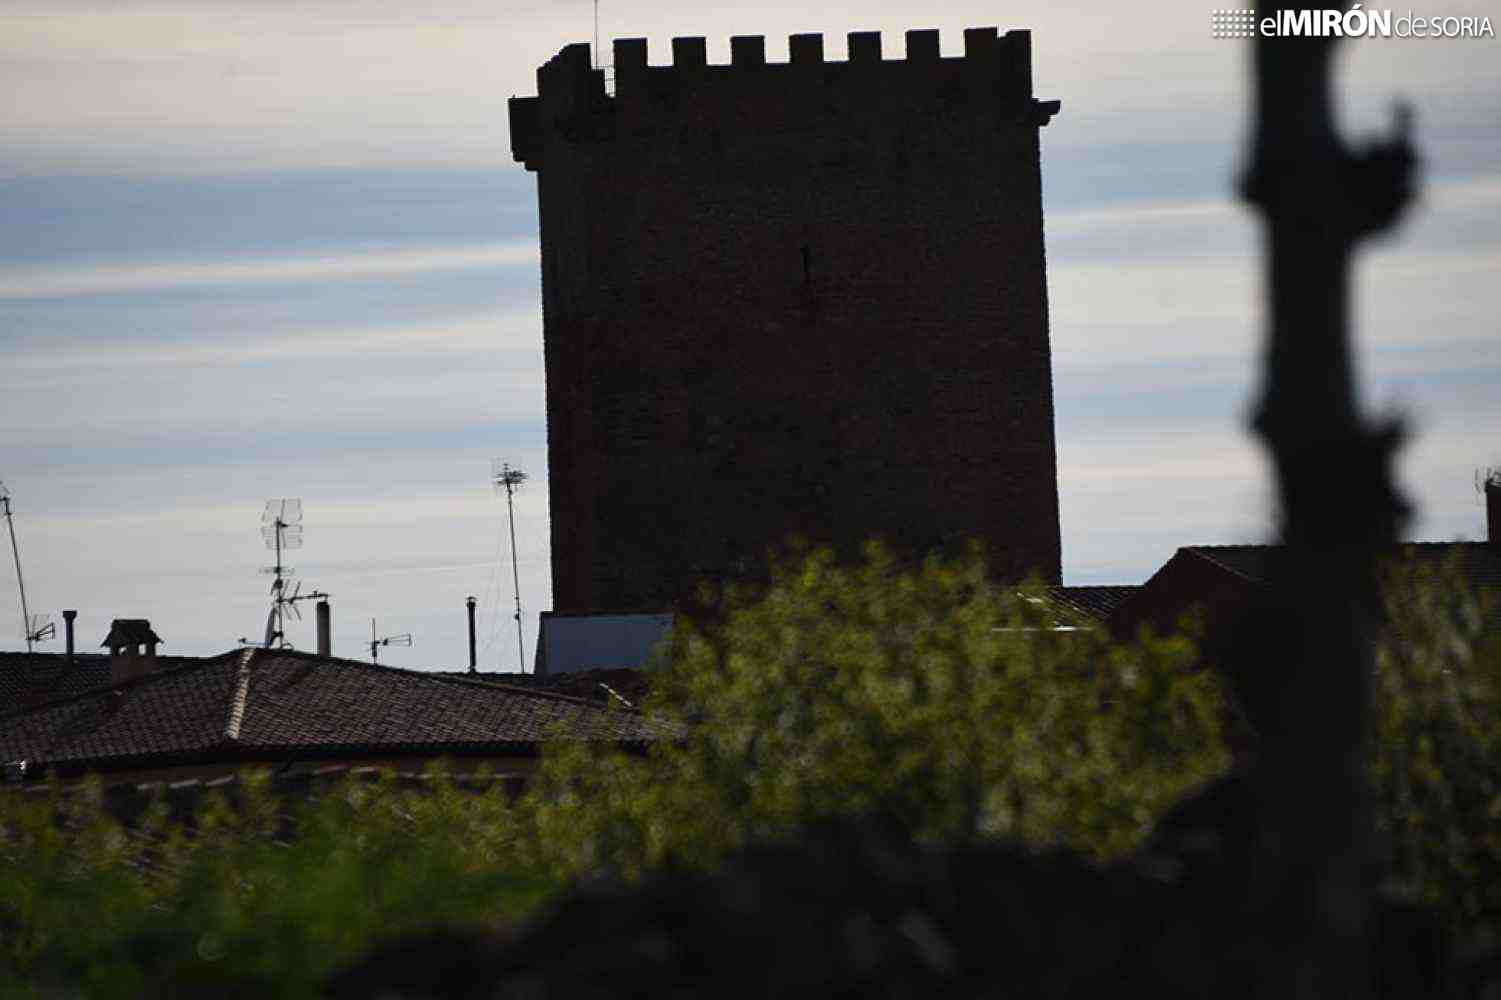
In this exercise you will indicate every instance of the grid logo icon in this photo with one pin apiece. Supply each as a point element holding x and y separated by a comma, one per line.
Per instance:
<point>1240,23</point>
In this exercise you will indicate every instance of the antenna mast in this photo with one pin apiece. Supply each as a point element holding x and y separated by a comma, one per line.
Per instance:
<point>509,479</point>
<point>281,527</point>
<point>405,639</point>
<point>34,628</point>
<point>20,581</point>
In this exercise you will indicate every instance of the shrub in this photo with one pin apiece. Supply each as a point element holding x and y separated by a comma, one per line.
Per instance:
<point>256,894</point>
<point>1436,761</point>
<point>935,699</point>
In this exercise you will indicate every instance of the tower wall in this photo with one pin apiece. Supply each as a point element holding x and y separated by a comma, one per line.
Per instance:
<point>790,299</point>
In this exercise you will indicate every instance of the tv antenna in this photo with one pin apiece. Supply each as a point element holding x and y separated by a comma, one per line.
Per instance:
<point>37,628</point>
<point>506,478</point>
<point>40,628</point>
<point>405,639</point>
<point>281,527</point>
<point>285,606</point>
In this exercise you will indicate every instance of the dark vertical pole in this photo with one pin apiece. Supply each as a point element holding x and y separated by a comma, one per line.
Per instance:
<point>20,581</point>
<point>515,571</point>
<point>1493,508</point>
<point>1339,510</point>
<point>473,652</point>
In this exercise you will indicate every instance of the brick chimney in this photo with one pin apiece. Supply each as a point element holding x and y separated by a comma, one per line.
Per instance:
<point>1493,508</point>
<point>132,649</point>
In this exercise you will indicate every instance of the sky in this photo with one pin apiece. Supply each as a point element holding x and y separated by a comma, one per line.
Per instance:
<point>253,249</point>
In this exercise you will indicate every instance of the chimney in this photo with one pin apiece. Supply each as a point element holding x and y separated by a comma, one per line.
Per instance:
<point>325,629</point>
<point>132,649</point>
<point>68,617</point>
<point>1493,508</point>
<point>473,658</point>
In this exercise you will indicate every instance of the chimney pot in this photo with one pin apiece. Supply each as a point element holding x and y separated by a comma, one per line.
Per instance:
<point>126,638</point>
<point>325,629</point>
<point>68,617</point>
<point>473,656</point>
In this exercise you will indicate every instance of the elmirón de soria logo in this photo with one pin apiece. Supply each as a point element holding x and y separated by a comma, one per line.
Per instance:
<point>1357,22</point>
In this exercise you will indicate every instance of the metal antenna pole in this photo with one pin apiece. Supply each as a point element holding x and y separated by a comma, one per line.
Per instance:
<point>502,475</point>
<point>277,584</point>
<point>21,582</point>
<point>596,34</point>
<point>515,578</point>
<point>405,639</point>
<point>281,527</point>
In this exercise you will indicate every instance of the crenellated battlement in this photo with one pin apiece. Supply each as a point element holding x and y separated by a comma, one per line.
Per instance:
<point>995,70</point>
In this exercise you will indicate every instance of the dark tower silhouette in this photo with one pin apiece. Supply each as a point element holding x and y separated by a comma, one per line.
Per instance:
<point>804,298</point>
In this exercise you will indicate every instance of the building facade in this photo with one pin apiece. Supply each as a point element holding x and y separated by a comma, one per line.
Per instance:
<point>801,299</point>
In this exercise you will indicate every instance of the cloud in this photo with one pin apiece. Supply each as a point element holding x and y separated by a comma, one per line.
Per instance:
<point>68,281</point>
<point>175,86</point>
<point>490,335</point>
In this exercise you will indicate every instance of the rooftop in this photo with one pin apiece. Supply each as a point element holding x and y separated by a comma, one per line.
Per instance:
<point>258,704</point>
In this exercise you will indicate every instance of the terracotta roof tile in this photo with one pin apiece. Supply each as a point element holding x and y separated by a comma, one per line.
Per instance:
<point>1093,602</point>
<point>284,702</point>
<point>31,678</point>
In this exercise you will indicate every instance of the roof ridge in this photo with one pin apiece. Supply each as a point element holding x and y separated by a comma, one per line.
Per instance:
<point>1238,545</point>
<point>435,676</point>
<point>241,695</point>
<point>1199,550</point>
<point>534,692</point>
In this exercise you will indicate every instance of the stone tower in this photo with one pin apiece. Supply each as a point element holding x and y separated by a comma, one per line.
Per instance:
<point>790,299</point>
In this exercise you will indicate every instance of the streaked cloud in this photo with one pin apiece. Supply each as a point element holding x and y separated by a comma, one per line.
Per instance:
<point>175,86</point>
<point>489,334</point>
<point>64,281</point>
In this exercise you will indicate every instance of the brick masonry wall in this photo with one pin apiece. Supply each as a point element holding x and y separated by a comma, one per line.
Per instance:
<point>790,299</point>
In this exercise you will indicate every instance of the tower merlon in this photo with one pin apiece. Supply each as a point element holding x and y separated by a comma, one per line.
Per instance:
<point>864,46</point>
<point>805,50</point>
<point>746,50</point>
<point>979,43</point>
<point>689,53</point>
<point>922,45</point>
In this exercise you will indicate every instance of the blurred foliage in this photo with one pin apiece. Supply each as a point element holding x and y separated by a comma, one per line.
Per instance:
<point>934,699</point>
<point>1436,763</point>
<point>956,709</point>
<point>252,894</point>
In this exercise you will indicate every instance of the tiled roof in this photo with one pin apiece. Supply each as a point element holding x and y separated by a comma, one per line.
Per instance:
<point>1091,602</point>
<point>1209,573</point>
<point>630,683</point>
<point>31,678</point>
<point>259,704</point>
<point>1479,563</point>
